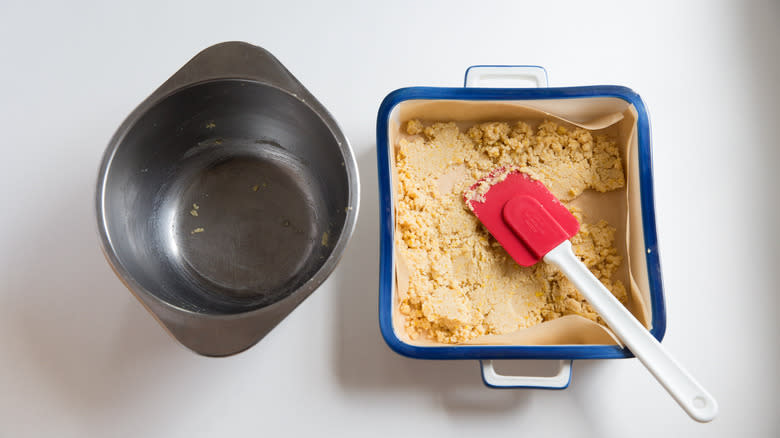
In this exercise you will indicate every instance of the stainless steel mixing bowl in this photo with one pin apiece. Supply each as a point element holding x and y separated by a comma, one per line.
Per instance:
<point>226,198</point>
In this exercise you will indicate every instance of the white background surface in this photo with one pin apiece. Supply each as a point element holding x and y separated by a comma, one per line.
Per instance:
<point>80,357</point>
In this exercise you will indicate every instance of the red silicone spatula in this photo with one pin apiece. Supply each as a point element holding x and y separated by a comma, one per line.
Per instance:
<point>532,225</point>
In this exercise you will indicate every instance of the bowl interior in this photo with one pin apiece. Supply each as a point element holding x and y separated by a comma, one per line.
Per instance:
<point>225,197</point>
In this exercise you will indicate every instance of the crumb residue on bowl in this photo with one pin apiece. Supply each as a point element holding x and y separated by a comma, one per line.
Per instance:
<point>462,284</point>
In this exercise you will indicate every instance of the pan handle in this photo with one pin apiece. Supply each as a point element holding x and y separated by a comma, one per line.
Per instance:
<point>515,76</point>
<point>505,76</point>
<point>560,380</point>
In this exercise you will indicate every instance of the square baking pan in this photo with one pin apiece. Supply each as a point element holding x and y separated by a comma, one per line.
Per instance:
<point>583,97</point>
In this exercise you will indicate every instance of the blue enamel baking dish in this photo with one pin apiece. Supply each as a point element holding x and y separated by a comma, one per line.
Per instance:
<point>565,353</point>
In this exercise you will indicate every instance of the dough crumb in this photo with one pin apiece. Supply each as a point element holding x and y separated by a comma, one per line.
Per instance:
<point>414,127</point>
<point>325,239</point>
<point>197,230</point>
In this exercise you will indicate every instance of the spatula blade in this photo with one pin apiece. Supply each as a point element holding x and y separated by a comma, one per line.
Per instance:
<point>529,226</point>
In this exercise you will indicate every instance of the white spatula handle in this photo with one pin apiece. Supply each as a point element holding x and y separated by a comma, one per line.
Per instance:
<point>691,396</point>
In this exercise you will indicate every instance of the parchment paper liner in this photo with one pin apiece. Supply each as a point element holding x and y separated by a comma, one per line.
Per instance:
<point>620,208</point>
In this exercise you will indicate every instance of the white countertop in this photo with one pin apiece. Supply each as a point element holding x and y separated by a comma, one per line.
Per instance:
<point>80,357</point>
